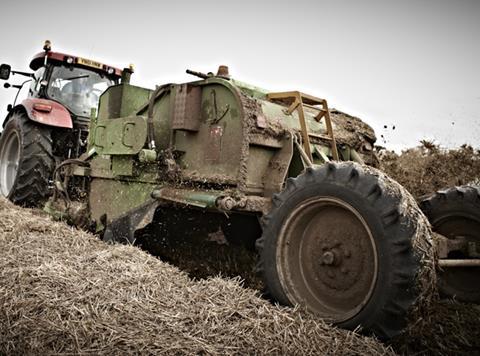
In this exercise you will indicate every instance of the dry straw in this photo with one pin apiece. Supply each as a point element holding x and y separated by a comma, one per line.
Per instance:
<point>427,168</point>
<point>62,291</point>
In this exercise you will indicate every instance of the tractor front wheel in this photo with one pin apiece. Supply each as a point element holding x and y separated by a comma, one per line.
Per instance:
<point>26,161</point>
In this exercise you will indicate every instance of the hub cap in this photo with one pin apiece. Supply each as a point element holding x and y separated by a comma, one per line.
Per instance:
<point>327,258</point>
<point>9,160</point>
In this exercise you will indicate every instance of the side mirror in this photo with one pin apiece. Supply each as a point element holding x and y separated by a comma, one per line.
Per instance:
<point>5,70</point>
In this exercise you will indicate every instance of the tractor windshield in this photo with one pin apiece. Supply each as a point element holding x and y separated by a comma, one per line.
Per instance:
<point>78,89</point>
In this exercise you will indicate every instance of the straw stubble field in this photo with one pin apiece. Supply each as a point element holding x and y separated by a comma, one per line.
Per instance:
<point>63,291</point>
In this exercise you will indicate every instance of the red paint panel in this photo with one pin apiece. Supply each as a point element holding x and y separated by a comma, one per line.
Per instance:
<point>58,116</point>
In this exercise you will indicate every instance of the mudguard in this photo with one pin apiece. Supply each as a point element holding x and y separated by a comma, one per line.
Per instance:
<point>46,112</point>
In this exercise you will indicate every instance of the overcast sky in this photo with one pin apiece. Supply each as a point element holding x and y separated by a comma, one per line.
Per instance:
<point>412,64</point>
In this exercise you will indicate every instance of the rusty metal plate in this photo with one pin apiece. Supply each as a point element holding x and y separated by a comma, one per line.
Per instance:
<point>214,149</point>
<point>187,108</point>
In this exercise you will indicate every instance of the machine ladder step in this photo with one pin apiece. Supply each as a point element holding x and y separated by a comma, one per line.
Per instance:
<point>299,101</point>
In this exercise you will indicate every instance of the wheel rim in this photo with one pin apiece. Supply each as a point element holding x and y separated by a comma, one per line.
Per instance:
<point>459,281</point>
<point>327,259</point>
<point>9,160</point>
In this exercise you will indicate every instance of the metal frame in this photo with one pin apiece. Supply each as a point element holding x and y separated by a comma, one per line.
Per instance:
<point>298,101</point>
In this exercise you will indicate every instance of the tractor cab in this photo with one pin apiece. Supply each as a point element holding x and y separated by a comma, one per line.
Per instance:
<point>51,124</point>
<point>72,81</point>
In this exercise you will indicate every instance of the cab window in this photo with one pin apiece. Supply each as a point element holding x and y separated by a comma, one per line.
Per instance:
<point>37,81</point>
<point>79,89</point>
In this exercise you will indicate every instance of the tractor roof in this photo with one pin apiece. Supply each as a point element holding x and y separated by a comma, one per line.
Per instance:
<point>38,61</point>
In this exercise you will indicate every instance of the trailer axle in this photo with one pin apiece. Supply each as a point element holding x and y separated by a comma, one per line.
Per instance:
<point>459,263</point>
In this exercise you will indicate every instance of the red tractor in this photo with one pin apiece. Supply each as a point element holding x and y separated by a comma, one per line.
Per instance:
<point>51,124</point>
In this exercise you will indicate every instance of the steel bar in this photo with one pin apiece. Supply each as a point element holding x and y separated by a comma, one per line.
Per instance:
<point>459,263</point>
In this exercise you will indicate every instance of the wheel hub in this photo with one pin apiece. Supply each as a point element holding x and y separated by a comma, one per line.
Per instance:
<point>317,258</point>
<point>328,258</point>
<point>337,269</point>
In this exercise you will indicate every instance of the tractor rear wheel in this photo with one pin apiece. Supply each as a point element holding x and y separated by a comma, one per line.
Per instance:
<point>455,213</point>
<point>26,161</point>
<point>340,242</point>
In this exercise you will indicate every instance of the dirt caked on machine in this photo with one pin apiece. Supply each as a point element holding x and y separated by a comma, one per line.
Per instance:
<point>279,172</point>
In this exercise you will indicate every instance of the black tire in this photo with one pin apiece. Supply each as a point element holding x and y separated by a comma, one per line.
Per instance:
<point>456,212</point>
<point>26,185</point>
<point>374,225</point>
